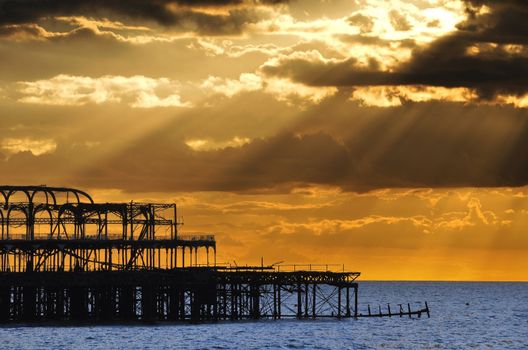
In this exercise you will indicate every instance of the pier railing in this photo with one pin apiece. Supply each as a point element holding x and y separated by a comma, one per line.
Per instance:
<point>310,267</point>
<point>185,238</point>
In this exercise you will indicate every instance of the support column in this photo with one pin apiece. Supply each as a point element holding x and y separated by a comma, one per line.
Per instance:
<point>279,302</point>
<point>299,301</point>
<point>274,301</point>
<point>183,316</point>
<point>5,299</point>
<point>126,304</point>
<point>78,304</point>
<point>174,303</point>
<point>29,304</point>
<point>306,300</point>
<point>148,303</point>
<point>355,300</point>
<point>314,300</point>
<point>339,302</point>
<point>347,301</point>
<point>255,296</point>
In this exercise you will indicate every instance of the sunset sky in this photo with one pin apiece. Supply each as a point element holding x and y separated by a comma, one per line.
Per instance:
<point>391,136</point>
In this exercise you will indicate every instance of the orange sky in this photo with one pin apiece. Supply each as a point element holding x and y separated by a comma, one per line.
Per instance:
<point>390,136</point>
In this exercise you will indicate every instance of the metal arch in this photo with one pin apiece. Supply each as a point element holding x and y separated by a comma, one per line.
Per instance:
<point>82,193</point>
<point>12,208</point>
<point>49,190</point>
<point>68,207</point>
<point>12,191</point>
<point>3,222</point>
<point>64,208</point>
<point>76,196</point>
<point>44,208</point>
<point>5,199</point>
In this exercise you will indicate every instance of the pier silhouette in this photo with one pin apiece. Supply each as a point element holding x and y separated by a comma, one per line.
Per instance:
<point>66,258</point>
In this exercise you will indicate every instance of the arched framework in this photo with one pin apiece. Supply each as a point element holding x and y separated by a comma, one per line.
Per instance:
<point>51,193</point>
<point>56,228</point>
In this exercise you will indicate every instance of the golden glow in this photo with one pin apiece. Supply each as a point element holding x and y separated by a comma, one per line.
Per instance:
<point>431,234</point>
<point>67,90</point>
<point>390,96</point>
<point>208,144</point>
<point>35,146</point>
<point>186,102</point>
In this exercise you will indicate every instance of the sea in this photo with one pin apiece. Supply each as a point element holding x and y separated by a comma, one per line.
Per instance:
<point>463,316</point>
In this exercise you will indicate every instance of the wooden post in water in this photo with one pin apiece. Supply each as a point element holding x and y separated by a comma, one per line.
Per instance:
<point>355,300</point>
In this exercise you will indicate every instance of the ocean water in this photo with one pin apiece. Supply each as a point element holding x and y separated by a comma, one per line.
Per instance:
<point>463,316</point>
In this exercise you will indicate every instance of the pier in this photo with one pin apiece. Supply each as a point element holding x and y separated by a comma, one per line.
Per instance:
<point>66,258</point>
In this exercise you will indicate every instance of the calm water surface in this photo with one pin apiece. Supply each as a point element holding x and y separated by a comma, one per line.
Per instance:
<point>496,318</point>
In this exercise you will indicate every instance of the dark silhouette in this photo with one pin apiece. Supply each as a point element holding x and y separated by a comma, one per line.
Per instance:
<point>65,258</point>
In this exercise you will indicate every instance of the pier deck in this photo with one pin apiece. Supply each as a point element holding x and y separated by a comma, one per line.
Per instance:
<point>184,294</point>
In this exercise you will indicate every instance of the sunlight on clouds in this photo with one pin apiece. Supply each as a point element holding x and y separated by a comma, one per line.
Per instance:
<point>295,93</point>
<point>138,35</point>
<point>210,144</point>
<point>281,89</point>
<point>88,27</point>
<point>517,101</point>
<point>390,96</point>
<point>27,31</point>
<point>450,221</point>
<point>425,22</point>
<point>365,34</point>
<point>363,230</point>
<point>99,23</point>
<point>231,87</point>
<point>36,146</point>
<point>136,91</point>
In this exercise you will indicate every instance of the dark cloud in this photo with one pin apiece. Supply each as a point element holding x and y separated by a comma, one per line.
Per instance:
<point>375,40</point>
<point>504,23</point>
<point>399,21</point>
<point>364,23</point>
<point>447,62</point>
<point>170,13</point>
<point>336,143</point>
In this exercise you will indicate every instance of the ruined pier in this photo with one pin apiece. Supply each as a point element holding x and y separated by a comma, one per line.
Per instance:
<point>65,258</point>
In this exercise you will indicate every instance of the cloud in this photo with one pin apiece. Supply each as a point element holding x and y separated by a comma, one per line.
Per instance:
<point>281,89</point>
<point>201,16</point>
<point>364,23</point>
<point>36,146</point>
<point>231,87</point>
<point>399,21</point>
<point>388,96</point>
<point>208,144</point>
<point>67,90</point>
<point>335,144</point>
<point>487,54</point>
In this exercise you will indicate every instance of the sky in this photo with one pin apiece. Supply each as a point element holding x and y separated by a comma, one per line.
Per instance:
<point>388,136</point>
